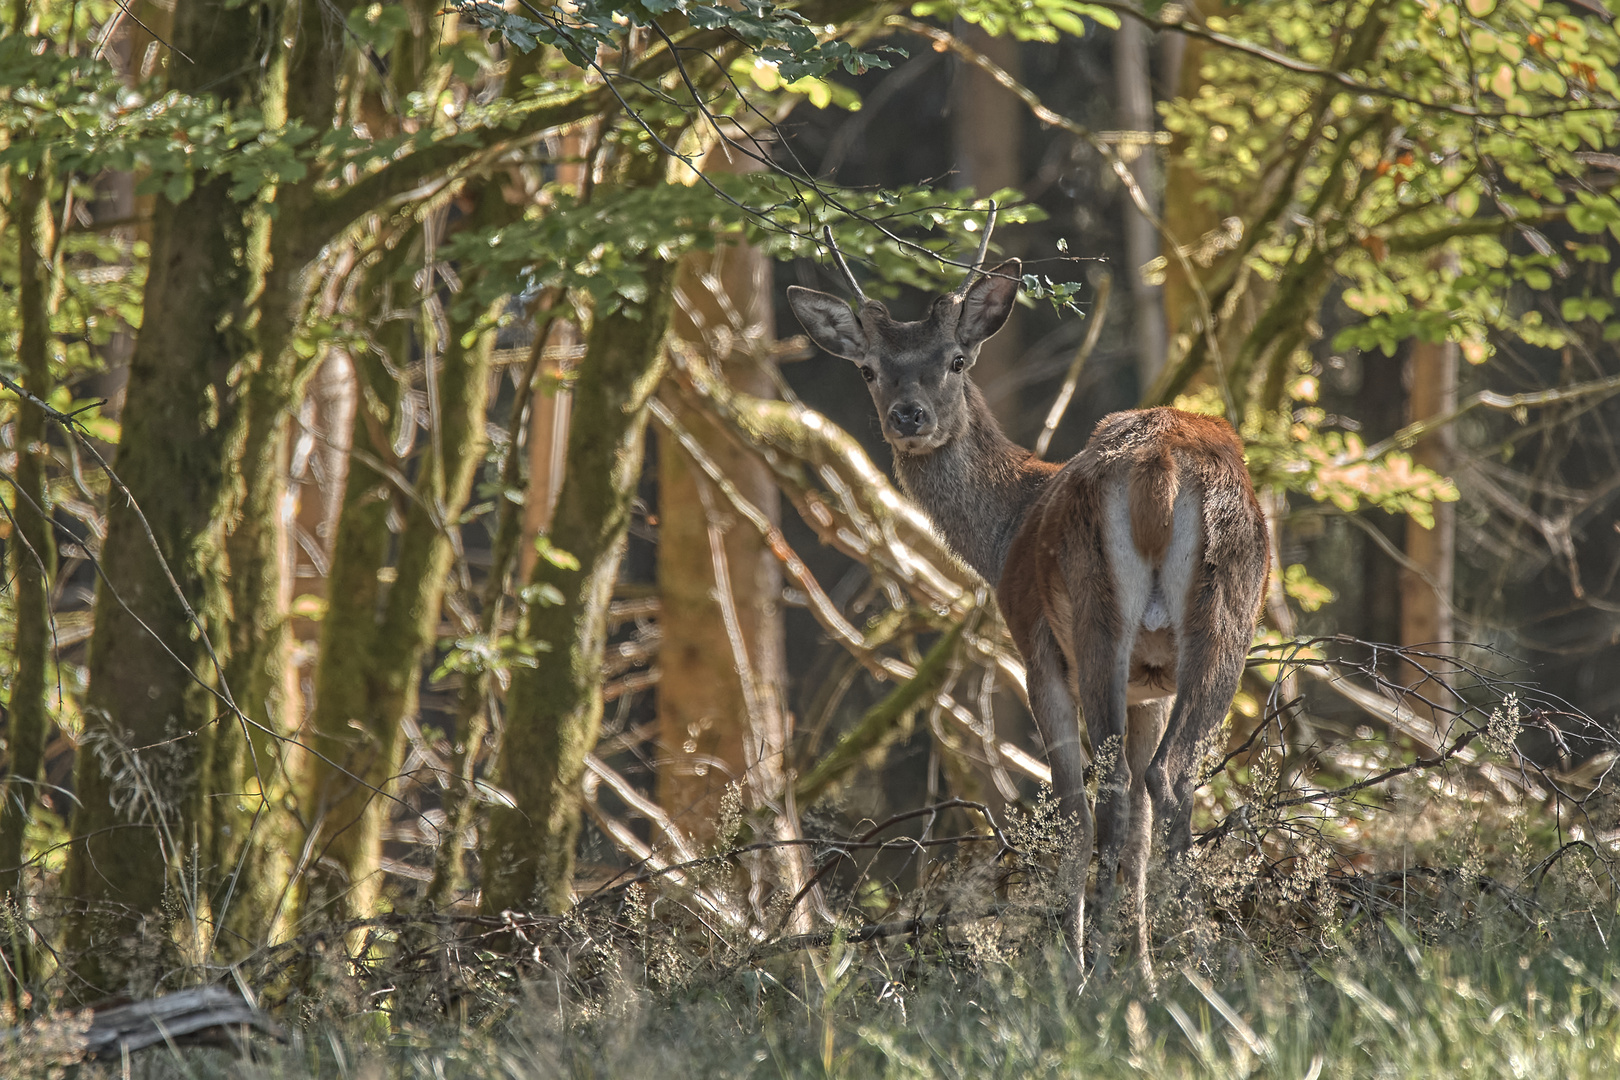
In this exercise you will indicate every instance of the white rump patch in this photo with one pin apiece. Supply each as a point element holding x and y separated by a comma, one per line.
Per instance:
<point>1156,616</point>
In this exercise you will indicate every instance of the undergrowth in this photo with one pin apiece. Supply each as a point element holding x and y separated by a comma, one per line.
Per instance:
<point>1351,908</point>
<point>1389,1005</point>
<point>1474,982</point>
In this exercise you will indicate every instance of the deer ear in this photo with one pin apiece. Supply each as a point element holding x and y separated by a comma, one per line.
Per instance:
<point>988,303</point>
<point>830,322</point>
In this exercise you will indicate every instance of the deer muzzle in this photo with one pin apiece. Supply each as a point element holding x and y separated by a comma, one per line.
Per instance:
<point>909,420</point>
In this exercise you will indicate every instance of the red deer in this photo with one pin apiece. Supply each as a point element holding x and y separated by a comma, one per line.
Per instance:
<point>1129,576</point>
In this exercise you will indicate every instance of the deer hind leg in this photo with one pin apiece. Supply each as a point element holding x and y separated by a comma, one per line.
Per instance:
<point>1202,698</point>
<point>1058,721</point>
<point>1104,643</point>
<point>1214,646</point>
<point>1144,725</point>
<point>1201,679</point>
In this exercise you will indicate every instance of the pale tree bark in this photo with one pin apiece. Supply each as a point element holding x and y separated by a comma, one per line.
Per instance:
<point>547,447</point>
<point>317,470</point>
<point>987,124</point>
<point>1134,104</point>
<point>549,405</point>
<point>554,709</point>
<point>708,734</point>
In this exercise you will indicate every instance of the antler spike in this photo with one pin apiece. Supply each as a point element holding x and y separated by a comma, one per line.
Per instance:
<point>978,258</point>
<point>832,245</point>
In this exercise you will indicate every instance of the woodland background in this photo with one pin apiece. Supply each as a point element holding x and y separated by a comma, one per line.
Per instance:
<point>433,562</point>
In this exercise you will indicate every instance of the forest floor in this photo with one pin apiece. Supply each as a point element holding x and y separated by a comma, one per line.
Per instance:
<point>1491,995</point>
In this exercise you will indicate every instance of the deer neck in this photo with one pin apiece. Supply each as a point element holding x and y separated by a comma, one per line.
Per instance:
<point>976,488</point>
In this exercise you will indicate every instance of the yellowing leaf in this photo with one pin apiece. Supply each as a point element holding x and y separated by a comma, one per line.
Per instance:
<point>1502,81</point>
<point>1309,593</point>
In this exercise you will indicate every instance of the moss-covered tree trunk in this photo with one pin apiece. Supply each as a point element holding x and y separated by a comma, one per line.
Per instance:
<point>375,634</point>
<point>30,546</point>
<point>554,710</point>
<point>472,699</point>
<point>1240,326</point>
<point>138,764</point>
<point>248,831</point>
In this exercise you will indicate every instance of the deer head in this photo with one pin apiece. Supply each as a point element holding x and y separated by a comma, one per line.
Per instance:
<point>916,371</point>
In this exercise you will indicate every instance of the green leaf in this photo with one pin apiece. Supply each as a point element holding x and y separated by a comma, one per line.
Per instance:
<point>556,556</point>
<point>542,595</point>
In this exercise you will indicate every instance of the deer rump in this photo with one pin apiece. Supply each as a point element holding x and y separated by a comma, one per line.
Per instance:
<point>1144,559</point>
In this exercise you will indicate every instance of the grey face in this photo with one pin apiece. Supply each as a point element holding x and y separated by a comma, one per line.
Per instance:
<point>916,371</point>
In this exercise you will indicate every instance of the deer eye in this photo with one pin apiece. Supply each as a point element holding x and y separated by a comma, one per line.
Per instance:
<point>867,373</point>
<point>958,364</point>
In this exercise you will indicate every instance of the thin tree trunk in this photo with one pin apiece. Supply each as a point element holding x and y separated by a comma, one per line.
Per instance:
<point>1426,583</point>
<point>1134,88</point>
<point>370,665</point>
<point>31,546</point>
<point>554,710</point>
<point>349,629</point>
<point>137,771</point>
<point>382,674</point>
<point>1187,219</point>
<point>472,704</point>
<point>549,404</point>
<point>318,468</point>
<point>708,736</point>
<point>987,125</point>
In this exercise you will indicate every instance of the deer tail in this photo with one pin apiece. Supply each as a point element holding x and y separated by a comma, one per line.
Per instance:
<point>1153,485</point>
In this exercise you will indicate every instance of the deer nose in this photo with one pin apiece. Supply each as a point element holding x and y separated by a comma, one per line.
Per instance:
<point>908,418</point>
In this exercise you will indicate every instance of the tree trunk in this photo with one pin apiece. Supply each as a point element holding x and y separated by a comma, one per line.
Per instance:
<point>31,545</point>
<point>248,832</point>
<point>137,771</point>
<point>549,405</point>
<point>1187,219</point>
<point>987,125</point>
<point>554,710</point>
<point>472,699</point>
<point>369,669</point>
<point>1426,583</point>
<point>1134,87</point>
<point>708,737</point>
<point>348,632</point>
